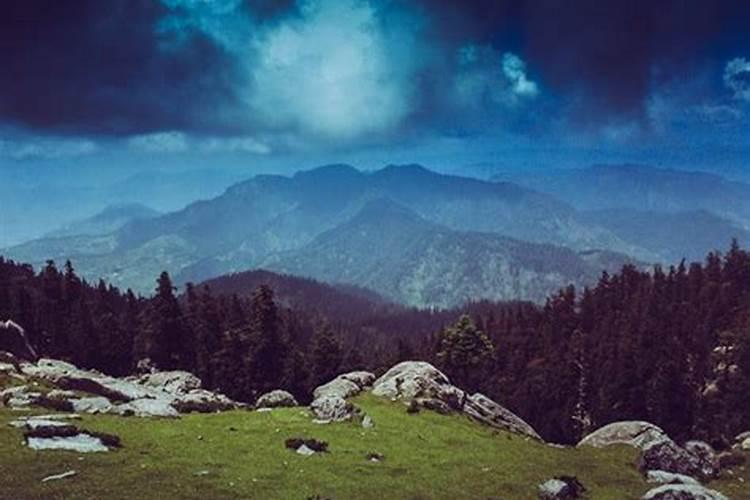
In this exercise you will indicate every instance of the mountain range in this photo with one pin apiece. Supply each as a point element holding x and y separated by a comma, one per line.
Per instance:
<point>412,235</point>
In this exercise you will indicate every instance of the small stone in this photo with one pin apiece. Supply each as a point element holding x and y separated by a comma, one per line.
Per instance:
<point>64,475</point>
<point>305,450</point>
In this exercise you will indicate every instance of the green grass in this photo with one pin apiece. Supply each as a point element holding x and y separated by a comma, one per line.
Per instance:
<point>427,456</point>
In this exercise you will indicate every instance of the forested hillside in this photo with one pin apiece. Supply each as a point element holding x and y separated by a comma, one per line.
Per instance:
<point>671,346</point>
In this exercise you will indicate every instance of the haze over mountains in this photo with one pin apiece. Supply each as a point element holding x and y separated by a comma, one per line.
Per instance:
<point>415,236</point>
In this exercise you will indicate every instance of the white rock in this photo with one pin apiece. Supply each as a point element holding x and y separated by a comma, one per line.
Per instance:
<point>361,378</point>
<point>172,382</point>
<point>339,386</point>
<point>683,492</point>
<point>305,450</point>
<point>745,444</point>
<point>94,405</point>
<point>82,443</point>
<point>634,433</point>
<point>410,379</point>
<point>147,408</point>
<point>487,411</point>
<point>663,477</point>
<point>332,409</point>
<point>276,399</point>
<point>64,475</point>
<point>202,401</point>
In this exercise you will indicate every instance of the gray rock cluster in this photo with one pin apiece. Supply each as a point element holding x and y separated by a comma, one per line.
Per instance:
<point>330,399</point>
<point>51,432</point>
<point>679,469</point>
<point>156,394</point>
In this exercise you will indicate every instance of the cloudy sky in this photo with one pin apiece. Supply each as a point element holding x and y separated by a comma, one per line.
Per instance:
<point>128,84</point>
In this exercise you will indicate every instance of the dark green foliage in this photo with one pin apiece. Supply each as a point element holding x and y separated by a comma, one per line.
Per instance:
<point>465,352</point>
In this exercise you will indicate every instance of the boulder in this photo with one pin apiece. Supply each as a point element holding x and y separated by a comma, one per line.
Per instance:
<point>362,378</point>
<point>13,339</point>
<point>276,399</point>
<point>704,451</point>
<point>663,477</point>
<point>61,395</point>
<point>410,379</point>
<point>635,433</point>
<point>202,401</point>
<point>81,443</point>
<point>739,438</point>
<point>482,408</point>
<point>561,488</point>
<point>172,382</point>
<point>339,386</point>
<point>147,407</point>
<point>666,455</point>
<point>94,405</point>
<point>744,445</point>
<point>332,409</point>
<point>683,492</point>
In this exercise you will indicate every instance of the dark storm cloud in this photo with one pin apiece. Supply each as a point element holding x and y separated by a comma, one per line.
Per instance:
<point>605,58</point>
<point>344,70</point>
<point>97,66</point>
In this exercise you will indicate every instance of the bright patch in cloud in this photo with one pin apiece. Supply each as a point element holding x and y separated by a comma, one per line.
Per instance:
<point>514,70</point>
<point>737,78</point>
<point>160,142</point>
<point>46,149</point>
<point>235,145</point>
<point>333,72</point>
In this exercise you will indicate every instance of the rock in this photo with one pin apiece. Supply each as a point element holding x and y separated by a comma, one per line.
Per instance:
<point>93,405</point>
<point>13,339</point>
<point>308,445</point>
<point>305,450</point>
<point>339,386</point>
<point>145,365</point>
<point>561,488</point>
<point>276,399</point>
<point>745,444</point>
<point>332,409</point>
<point>634,433</point>
<point>683,492</point>
<point>173,382</point>
<point>9,362</point>
<point>362,378</point>
<point>410,379</point>
<point>202,401</point>
<point>147,408</point>
<point>61,395</point>
<point>704,451</point>
<point>22,397</point>
<point>663,477</point>
<point>482,408</point>
<point>739,438</point>
<point>82,443</point>
<point>367,422</point>
<point>666,455</point>
<point>374,456</point>
<point>56,477</point>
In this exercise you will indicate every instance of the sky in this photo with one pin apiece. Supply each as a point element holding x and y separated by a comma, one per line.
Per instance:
<point>94,92</point>
<point>260,82</point>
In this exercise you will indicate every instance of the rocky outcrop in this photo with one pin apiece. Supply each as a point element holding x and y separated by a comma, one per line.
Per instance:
<point>330,404</point>
<point>683,492</point>
<point>425,386</point>
<point>635,433</point>
<point>13,339</point>
<point>666,455</point>
<point>276,399</point>
<point>339,387</point>
<point>156,394</point>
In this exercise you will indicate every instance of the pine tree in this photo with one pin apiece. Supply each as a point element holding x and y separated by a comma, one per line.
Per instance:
<point>464,352</point>
<point>327,355</point>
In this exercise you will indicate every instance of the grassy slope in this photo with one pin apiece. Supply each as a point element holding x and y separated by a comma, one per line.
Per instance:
<point>427,456</point>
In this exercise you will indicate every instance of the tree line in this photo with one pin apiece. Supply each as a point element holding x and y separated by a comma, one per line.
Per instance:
<point>671,346</point>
